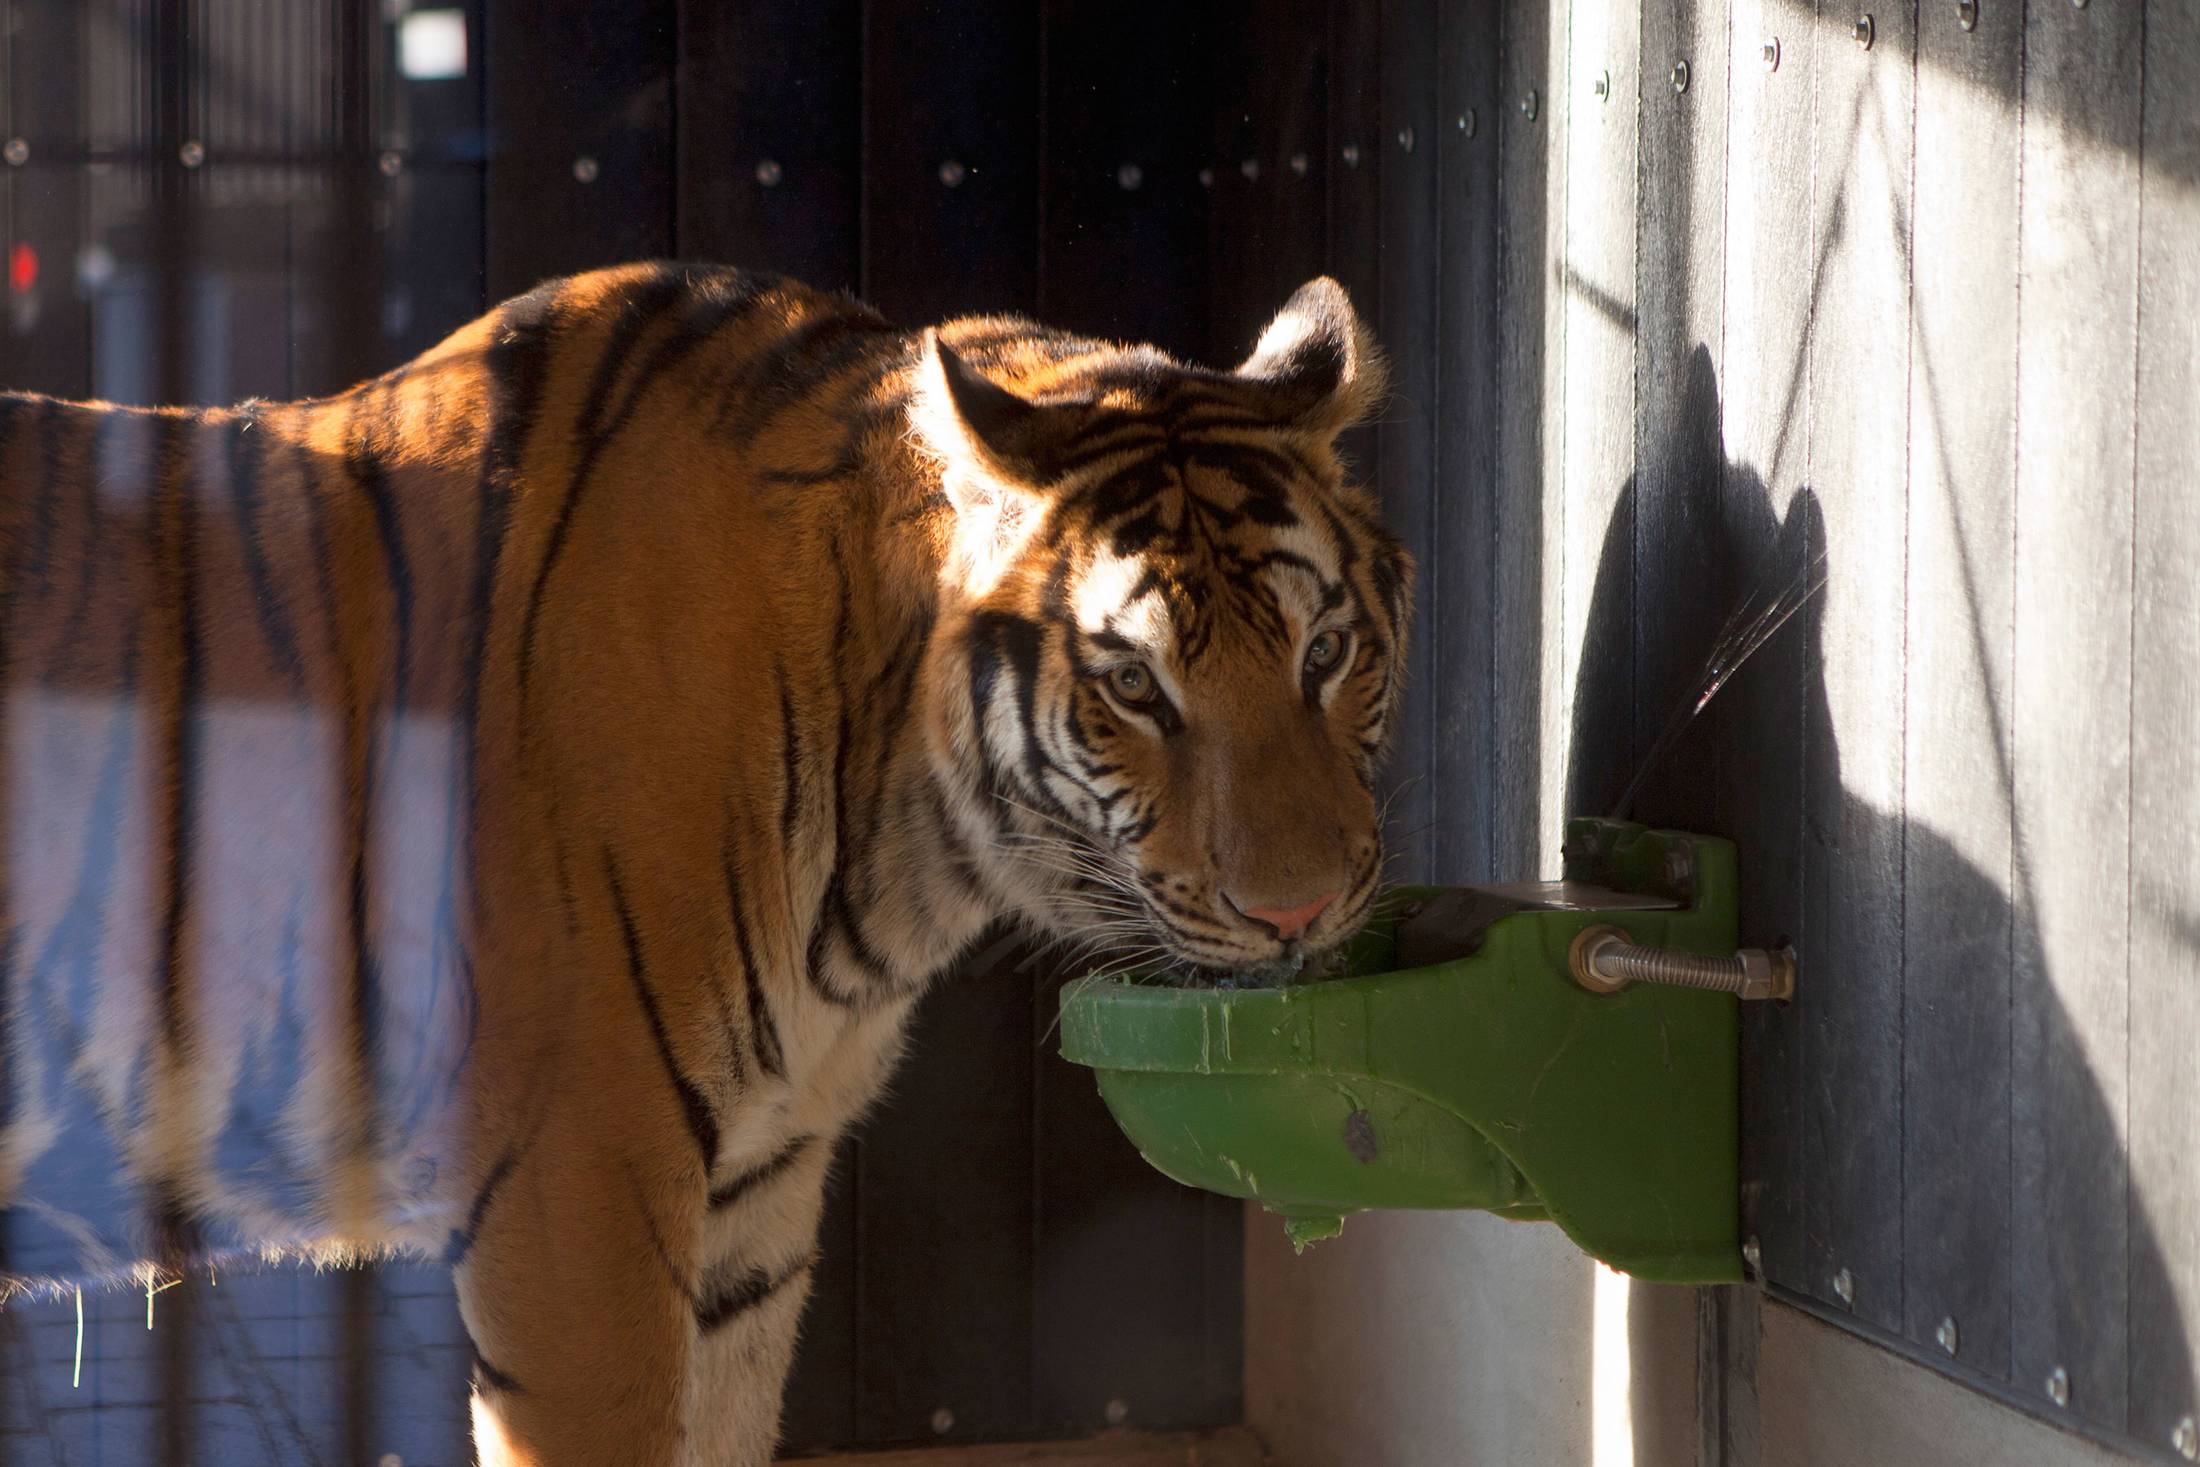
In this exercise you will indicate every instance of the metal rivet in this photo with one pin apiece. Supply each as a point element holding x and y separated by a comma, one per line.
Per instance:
<point>1528,106</point>
<point>1250,168</point>
<point>1117,1411</point>
<point>1469,123</point>
<point>1947,1335</point>
<point>2186,1438</point>
<point>1206,178</point>
<point>1602,86</point>
<point>1299,165</point>
<point>17,152</point>
<point>1405,139</point>
<point>2058,1386</point>
<point>952,173</point>
<point>1866,32</point>
<point>391,163</point>
<point>1680,866</point>
<point>1350,152</point>
<point>1753,1257</point>
<point>1768,54</point>
<point>1844,1287</point>
<point>2080,5</point>
<point>1129,177</point>
<point>943,1421</point>
<point>586,169</point>
<point>1680,77</point>
<point>768,172</point>
<point>191,154</point>
<point>1967,14</point>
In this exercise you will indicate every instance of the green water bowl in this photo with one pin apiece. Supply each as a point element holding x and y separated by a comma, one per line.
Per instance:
<point>1485,1079</point>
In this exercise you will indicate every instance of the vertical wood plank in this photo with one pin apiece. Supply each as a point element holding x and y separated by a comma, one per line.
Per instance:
<point>1406,440</point>
<point>2072,698</point>
<point>580,130</point>
<point>1957,932</point>
<point>1526,708</point>
<point>1759,731</point>
<point>1680,284</point>
<point>46,346</point>
<point>1859,350</point>
<point>2164,1224</point>
<point>768,136</point>
<point>1460,625</point>
<point>1354,195</point>
<point>1595,274</point>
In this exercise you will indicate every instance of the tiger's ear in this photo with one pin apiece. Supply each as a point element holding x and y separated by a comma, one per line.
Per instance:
<point>1318,362</point>
<point>987,437</point>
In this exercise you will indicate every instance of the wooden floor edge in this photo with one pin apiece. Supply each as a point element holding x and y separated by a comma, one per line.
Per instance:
<point>1231,1446</point>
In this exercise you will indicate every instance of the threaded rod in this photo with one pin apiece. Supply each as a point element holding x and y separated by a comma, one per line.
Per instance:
<point>1605,960</point>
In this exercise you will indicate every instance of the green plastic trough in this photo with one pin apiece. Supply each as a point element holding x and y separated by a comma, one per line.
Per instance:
<point>1482,1078</point>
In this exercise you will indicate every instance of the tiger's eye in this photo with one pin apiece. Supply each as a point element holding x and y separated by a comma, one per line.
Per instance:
<point>1322,653</point>
<point>1132,683</point>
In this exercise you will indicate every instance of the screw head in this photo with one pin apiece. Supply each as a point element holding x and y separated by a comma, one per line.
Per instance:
<point>391,163</point>
<point>1753,1256</point>
<point>952,173</point>
<point>1602,86</point>
<point>1529,104</point>
<point>1350,152</point>
<point>586,169</point>
<point>1299,164</point>
<point>1206,178</point>
<point>17,152</point>
<point>943,1421</point>
<point>1680,77</point>
<point>2186,1437</point>
<point>1866,32</point>
<point>1768,53</point>
<point>1117,1411</point>
<point>1946,1335</point>
<point>1967,14</point>
<point>1469,122</point>
<point>1250,169</point>
<point>1844,1287</point>
<point>2058,1386</point>
<point>192,154</point>
<point>769,173</point>
<point>2078,4</point>
<point>1405,139</point>
<point>1129,177</point>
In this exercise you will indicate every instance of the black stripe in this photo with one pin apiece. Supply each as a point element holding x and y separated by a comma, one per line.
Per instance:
<point>790,745</point>
<point>366,470</point>
<point>245,468</point>
<point>702,1124</point>
<point>759,1174</point>
<point>763,1029</point>
<point>488,1379</point>
<point>744,1293</point>
<point>462,1241</point>
<point>796,364</point>
<point>176,543</point>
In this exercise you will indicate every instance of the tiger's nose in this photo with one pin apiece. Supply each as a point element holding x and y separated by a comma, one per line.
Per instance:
<point>1289,922</point>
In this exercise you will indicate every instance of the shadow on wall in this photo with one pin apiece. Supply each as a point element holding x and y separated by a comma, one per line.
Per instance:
<point>1712,782</point>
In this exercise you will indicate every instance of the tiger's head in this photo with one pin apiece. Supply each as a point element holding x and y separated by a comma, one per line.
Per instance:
<point>1172,632</point>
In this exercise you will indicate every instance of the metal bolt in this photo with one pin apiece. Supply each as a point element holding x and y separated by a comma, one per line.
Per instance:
<point>1967,14</point>
<point>952,173</point>
<point>768,172</point>
<point>1405,139</point>
<point>1129,177</point>
<point>2186,1437</point>
<point>586,169</point>
<point>1117,1411</point>
<point>1350,152</point>
<point>1469,123</point>
<point>2058,1386</point>
<point>943,1421</point>
<point>1753,1257</point>
<point>1769,53</point>
<point>1680,77</point>
<point>1866,33</point>
<point>1947,1335</point>
<point>1250,168</point>
<point>1602,86</point>
<point>391,163</point>
<point>192,153</point>
<point>1299,164</point>
<point>1528,105</point>
<point>1844,1287</point>
<point>17,152</point>
<point>1206,178</point>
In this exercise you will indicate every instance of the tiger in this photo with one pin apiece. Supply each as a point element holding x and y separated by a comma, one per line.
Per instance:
<point>506,812</point>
